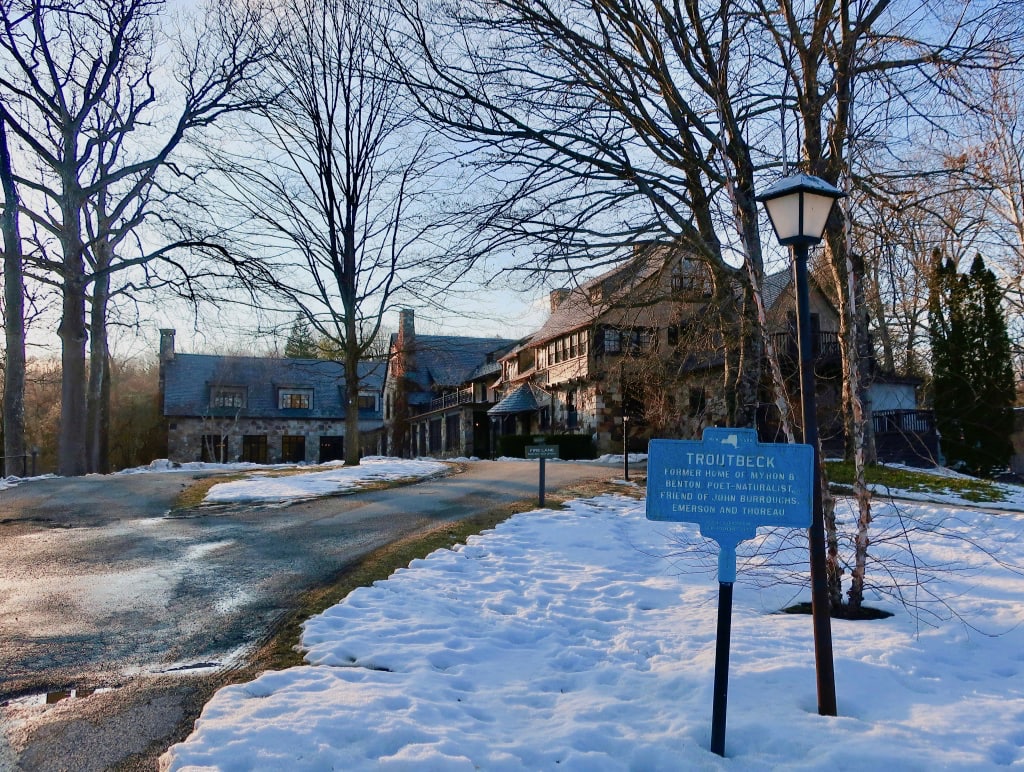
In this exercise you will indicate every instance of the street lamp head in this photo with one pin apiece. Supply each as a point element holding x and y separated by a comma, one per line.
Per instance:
<point>799,206</point>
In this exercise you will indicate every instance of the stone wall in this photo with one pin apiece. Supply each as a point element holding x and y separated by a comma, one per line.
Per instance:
<point>184,436</point>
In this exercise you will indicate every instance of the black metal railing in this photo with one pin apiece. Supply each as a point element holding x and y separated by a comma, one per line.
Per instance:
<point>920,422</point>
<point>824,346</point>
<point>907,436</point>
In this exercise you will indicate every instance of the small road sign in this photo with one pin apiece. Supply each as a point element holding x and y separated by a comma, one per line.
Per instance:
<point>542,451</point>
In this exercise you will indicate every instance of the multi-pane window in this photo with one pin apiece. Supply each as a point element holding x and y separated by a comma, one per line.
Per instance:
<point>254,448</point>
<point>293,448</point>
<point>214,448</point>
<point>630,341</point>
<point>368,402</point>
<point>452,430</point>
<point>692,280</point>
<point>568,347</point>
<point>227,396</point>
<point>295,399</point>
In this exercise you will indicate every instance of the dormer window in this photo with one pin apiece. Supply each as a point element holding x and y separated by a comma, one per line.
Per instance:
<point>691,279</point>
<point>227,397</point>
<point>295,399</point>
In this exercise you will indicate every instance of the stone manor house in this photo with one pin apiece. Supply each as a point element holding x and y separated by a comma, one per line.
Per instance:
<point>262,409</point>
<point>627,356</point>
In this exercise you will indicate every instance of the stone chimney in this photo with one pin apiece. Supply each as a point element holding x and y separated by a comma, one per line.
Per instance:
<point>406,327</point>
<point>557,297</point>
<point>166,356</point>
<point>405,343</point>
<point>166,346</point>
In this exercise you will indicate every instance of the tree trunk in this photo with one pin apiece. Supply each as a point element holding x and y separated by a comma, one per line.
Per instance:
<point>351,406</point>
<point>14,318</point>
<point>846,278</point>
<point>98,394</point>
<point>71,458</point>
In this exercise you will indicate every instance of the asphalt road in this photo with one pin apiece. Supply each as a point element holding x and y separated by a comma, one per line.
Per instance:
<point>101,587</point>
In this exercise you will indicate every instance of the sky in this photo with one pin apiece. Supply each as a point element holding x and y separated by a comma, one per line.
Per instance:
<point>583,638</point>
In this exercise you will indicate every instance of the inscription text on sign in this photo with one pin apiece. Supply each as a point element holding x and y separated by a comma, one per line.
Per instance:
<point>542,451</point>
<point>729,484</point>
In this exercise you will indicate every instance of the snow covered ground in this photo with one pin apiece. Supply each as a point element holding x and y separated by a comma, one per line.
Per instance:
<point>584,639</point>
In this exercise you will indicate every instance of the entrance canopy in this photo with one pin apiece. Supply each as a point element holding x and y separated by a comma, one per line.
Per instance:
<point>522,400</point>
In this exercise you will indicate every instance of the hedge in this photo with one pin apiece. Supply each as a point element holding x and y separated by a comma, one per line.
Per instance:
<point>570,446</point>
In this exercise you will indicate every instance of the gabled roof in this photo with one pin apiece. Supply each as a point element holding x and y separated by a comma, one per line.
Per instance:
<point>774,285</point>
<point>188,379</point>
<point>579,309</point>
<point>525,399</point>
<point>450,360</point>
<point>603,296</point>
<point>777,286</point>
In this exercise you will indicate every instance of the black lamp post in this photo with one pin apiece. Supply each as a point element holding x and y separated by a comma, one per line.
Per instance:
<point>798,207</point>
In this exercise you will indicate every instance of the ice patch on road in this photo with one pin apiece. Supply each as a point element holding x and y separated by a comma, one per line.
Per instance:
<point>199,551</point>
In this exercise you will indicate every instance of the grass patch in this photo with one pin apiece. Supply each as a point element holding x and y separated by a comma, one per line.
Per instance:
<point>841,473</point>
<point>281,649</point>
<point>194,494</point>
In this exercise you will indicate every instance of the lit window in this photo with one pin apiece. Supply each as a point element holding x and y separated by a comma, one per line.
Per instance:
<point>295,399</point>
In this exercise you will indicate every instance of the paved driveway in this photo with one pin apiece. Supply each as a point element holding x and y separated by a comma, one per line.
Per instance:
<point>99,585</point>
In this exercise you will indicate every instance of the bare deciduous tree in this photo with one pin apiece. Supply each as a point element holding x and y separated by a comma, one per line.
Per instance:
<point>328,182</point>
<point>14,311</point>
<point>612,122</point>
<point>82,94</point>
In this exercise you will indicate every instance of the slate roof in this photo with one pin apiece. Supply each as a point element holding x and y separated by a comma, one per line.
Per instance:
<point>578,310</point>
<point>522,400</point>
<point>774,285</point>
<point>188,379</point>
<point>451,361</point>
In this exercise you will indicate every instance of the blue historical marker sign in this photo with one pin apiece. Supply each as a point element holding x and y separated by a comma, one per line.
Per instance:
<point>729,484</point>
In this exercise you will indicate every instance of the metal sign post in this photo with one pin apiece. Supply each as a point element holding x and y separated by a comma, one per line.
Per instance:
<point>729,484</point>
<point>542,452</point>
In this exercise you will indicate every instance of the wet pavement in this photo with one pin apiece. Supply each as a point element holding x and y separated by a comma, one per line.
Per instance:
<point>124,609</point>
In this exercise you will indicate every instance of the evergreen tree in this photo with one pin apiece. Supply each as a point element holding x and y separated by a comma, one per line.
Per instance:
<point>301,344</point>
<point>973,385</point>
